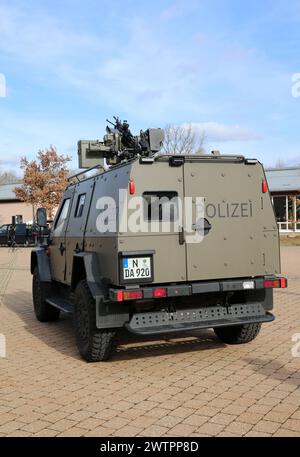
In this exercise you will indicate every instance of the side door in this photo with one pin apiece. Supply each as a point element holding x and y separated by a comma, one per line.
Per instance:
<point>58,238</point>
<point>77,222</point>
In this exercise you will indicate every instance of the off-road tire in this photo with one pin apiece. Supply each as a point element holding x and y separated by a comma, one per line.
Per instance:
<point>238,334</point>
<point>94,345</point>
<point>43,311</point>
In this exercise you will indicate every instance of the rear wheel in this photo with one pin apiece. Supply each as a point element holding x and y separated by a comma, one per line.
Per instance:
<point>43,311</point>
<point>238,334</point>
<point>94,344</point>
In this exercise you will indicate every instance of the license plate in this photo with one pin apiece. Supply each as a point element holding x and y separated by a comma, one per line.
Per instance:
<point>136,268</point>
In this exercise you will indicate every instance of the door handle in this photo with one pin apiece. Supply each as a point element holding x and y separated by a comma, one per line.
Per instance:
<point>202,225</point>
<point>62,248</point>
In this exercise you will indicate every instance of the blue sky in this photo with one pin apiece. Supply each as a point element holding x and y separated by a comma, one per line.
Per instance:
<point>224,66</point>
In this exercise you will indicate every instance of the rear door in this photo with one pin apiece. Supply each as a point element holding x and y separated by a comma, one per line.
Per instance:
<point>231,243</point>
<point>161,187</point>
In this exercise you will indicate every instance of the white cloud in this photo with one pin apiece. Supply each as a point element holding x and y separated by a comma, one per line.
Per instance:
<point>178,8</point>
<point>150,76</point>
<point>218,132</point>
<point>142,72</point>
<point>41,39</point>
<point>24,135</point>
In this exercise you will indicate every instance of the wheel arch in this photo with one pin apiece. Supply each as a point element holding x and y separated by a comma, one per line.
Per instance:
<point>40,259</point>
<point>108,314</point>
<point>85,266</point>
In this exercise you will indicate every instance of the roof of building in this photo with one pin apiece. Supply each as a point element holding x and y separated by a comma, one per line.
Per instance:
<point>7,192</point>
<point>284,179</point>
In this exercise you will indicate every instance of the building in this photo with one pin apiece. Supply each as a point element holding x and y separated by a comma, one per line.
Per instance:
<point>284,186</point>
<point>11,206</point>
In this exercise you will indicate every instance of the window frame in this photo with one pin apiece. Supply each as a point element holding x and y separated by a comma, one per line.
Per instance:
<point>160,194</point>
<point>78,206</point>
<point>68,199</point>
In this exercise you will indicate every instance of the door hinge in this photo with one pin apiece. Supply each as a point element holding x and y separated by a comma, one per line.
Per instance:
<point>176,161</point>
<point>181,236</point>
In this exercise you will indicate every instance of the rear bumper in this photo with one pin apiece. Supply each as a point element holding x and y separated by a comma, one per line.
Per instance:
<point>189,306</point>
<point>152,323</point>
<point>203,287</point>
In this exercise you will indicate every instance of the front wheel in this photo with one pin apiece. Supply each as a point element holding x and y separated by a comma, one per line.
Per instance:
<point>94,344</point>
<point>238,334</point>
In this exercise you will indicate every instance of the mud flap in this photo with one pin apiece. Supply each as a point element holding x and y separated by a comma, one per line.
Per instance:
<point>111,315</point>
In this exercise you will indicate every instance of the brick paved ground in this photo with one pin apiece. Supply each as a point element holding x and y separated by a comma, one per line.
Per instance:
<point>192,386</point>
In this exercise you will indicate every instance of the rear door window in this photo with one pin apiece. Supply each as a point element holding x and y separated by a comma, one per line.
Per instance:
<point>160,206</point>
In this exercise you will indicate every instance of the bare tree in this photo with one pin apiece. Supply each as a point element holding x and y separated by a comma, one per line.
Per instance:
<point>279,163</point>
<point>183,139</point>
<point>9,177</point>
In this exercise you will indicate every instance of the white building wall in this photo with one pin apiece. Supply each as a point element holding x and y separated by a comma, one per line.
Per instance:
<point>13,208</point>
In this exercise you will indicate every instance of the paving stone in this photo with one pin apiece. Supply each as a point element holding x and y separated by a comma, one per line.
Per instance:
<point>180,386</point>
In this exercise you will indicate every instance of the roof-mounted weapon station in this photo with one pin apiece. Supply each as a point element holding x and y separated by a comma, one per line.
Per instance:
<point>119,145</point>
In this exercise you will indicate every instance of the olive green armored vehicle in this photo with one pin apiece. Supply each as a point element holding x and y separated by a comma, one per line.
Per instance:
<point>157,244</point>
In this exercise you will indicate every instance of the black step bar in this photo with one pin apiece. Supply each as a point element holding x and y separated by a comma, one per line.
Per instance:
<point>61,304</point>
<point>152,323</point>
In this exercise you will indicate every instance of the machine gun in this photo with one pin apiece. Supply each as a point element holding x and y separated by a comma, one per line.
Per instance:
<point>122,128</point>
<point>119,145</point>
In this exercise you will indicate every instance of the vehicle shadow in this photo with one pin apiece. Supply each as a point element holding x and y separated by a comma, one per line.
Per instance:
<point>132,346</point>
<point>275,370</point>
<point>59,335</point>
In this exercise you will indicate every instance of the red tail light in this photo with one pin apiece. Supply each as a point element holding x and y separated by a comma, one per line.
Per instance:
<point>283,283</point>
<point>264,186</point>
<point>159,292</point>
<point>129,295</point>
<point>119,295</point>
<point>131,187</point>
<point>280,283</point>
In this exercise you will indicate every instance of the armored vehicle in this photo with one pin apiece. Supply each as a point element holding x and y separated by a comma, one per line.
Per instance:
<point>157,244</point>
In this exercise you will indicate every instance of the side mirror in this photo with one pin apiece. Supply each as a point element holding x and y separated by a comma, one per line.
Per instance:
<point>41,217</point>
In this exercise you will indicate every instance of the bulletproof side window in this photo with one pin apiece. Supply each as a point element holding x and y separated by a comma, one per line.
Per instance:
<point>160,206</point>
<point>63,214</point>
<point>80,205</point>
